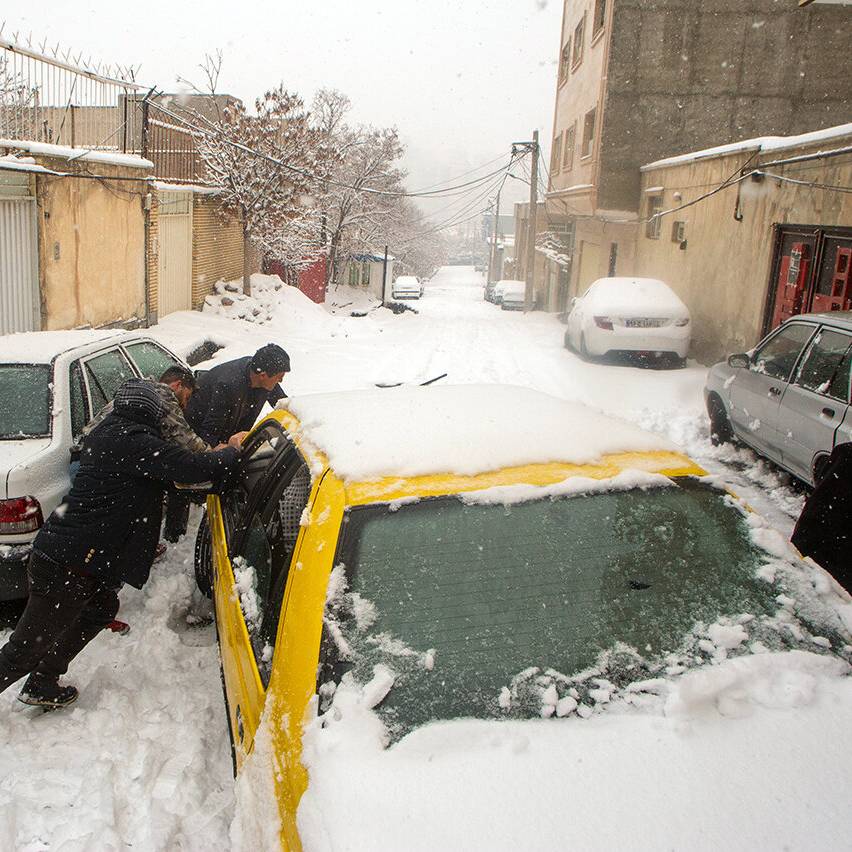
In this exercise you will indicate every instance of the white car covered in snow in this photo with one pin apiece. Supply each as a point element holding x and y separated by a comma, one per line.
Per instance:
<point>629,315</point>
<point>51,384</point>
<point>407,287</point>
<point>514,295</point>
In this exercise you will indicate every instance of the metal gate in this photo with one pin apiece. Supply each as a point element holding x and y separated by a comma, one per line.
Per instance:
<point>175,260</point>
<point>20,309</point>
<point>811,271</point>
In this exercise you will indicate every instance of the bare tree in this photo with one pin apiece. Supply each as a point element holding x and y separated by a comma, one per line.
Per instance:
<point>266,166</point>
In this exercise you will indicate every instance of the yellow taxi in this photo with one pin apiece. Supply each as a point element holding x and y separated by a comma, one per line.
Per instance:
<point>472,533</point>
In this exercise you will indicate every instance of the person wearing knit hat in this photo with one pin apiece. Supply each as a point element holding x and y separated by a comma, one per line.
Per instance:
<point>101,536</point>
<point>231,395</point>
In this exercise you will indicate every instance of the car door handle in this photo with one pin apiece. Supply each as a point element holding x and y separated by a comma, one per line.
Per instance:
<point>828,412</point>
<point>773,391</point>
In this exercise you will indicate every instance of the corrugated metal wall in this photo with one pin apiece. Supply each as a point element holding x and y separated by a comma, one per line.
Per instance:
<point>19,296</point>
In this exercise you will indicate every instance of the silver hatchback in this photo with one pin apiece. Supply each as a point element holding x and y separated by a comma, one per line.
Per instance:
<point>789,397</point>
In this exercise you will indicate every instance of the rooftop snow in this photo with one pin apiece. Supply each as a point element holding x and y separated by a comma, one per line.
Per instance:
<point>462,429</point>
<point>627,296</point>
<point>41,347</point>
<point>760,143</point>
<point>62,152</point>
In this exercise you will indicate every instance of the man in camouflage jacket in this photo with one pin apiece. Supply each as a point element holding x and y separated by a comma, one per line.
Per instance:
<point>175,387</point>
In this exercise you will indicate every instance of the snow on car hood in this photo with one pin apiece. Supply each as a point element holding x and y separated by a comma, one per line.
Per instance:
<point>634,297</point>
<point>464,429</point>
<point>746,754</point>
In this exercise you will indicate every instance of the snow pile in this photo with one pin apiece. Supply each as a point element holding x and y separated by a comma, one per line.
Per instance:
<point>410,431</point>
<point>745,749</point>
<point>142,759</point>
<point>269,295</point>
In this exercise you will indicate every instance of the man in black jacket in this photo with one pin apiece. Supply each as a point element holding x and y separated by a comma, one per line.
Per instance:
<point>231,395</point>
<point>102,535</point>
<point>824,529</point>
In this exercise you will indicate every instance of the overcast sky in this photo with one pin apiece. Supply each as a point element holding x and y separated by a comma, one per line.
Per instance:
<point>461,79</point>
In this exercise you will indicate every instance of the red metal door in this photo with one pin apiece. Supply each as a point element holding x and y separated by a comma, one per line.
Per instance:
<point>792,282</point>
<point>839,295</point>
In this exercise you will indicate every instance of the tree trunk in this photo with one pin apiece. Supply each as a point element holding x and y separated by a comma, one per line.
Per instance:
<point>246,263</point>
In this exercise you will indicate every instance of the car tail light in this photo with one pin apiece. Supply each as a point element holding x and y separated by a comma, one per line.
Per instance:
<point>604,322</point>
<point>682,322</point>
<point>20,515</point>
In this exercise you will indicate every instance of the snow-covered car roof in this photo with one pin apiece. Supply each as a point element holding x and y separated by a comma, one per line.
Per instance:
<point>407,279</point>
<point>41,347</point>
<point>626,295</point>
<point>462,429</point>
<point>514,287</point>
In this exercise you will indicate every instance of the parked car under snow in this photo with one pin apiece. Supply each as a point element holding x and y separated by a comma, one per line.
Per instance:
<point>407,287</point>
<point>629,315</point>
<point>51,384</point>
<point>789,397</point>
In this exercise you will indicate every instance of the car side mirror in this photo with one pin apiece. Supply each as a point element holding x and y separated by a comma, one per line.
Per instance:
<point>573,301</point>
<point>741,360</point>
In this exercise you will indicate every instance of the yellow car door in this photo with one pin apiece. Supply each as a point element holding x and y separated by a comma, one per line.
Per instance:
<point>255,529</point>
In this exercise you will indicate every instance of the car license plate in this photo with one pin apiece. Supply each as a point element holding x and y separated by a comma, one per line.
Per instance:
<point>643,322</point>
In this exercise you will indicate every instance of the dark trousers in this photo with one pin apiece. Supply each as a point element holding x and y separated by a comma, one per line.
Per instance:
<point>177,514</point>
<point>65,611</point>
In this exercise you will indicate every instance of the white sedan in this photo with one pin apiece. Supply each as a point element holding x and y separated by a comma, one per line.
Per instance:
<point>638,315</point>
<point>51,384</point>
<point>407,287</point>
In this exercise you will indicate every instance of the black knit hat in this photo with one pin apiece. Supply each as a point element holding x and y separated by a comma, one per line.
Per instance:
<point>270,359</point>
<point>138,399</point>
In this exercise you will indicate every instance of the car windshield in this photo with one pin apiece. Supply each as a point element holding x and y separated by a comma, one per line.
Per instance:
<point>24,401</point>
<point>494,611</point>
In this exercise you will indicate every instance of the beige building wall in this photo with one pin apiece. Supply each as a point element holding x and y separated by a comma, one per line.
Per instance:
<point>722,273</point>
<point>91,247</point>
<point>217,247</point>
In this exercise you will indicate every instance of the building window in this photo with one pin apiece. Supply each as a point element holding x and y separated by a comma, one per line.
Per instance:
<point>588,134</point>
<point>568,148</point>
<point>678,231</point>
<point>556,154</point>
<point>600,17</point>
<point>654,223</point>
<point>565,61</point>
<point>579,32</point>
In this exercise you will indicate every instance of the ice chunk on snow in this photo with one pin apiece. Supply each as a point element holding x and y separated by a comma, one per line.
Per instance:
<point>728,636</point>
<point>377,689</point>
<point>736,686</point>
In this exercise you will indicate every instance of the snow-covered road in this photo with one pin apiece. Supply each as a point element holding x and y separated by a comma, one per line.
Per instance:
<point>142,760</point>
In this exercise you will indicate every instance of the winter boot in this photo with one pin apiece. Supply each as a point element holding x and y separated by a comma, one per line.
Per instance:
<point>47,692</point>
<point>120,627</point>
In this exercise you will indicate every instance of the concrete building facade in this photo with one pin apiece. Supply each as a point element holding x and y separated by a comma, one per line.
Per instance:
<point>758,231</point>
<point>79,259</point>
<point>643,79</point>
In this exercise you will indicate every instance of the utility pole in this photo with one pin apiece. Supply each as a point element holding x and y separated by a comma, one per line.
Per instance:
<point>530,278</point>
<point>495,231</point>
<point>530,148</point>
<point>384,276</point>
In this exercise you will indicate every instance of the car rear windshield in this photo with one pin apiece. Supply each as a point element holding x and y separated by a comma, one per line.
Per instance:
<point>24,400</point>
<point>480,609</point>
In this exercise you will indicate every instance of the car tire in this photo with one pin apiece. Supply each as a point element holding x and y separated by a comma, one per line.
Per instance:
<point>566,340</point>
<point>584,352</point>
<point>204,558</point>
<point>720,426</point>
